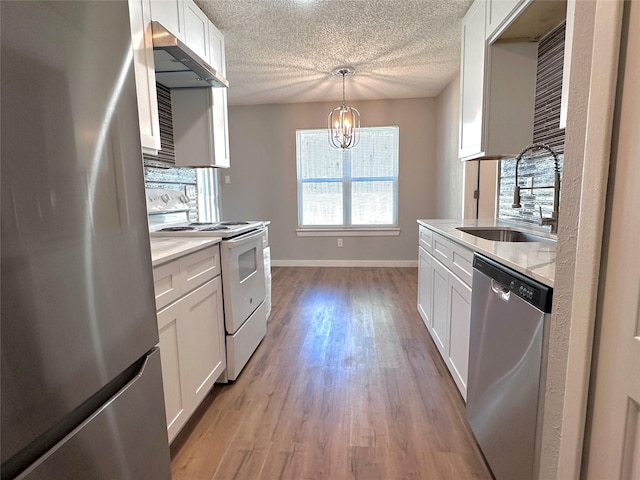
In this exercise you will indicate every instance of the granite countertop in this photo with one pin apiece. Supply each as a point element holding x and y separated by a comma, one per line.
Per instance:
<point>534,259</point>
<point>165,249</point>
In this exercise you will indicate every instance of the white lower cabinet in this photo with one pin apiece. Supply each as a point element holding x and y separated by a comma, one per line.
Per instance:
<point>444,303</point>
<point>440,328</point>
<point>191,331</point>
<point>425,286</point>
<point>457,359</point>
<point>168,320</point>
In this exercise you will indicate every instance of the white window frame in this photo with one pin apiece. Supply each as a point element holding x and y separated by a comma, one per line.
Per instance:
<point>347,229</point>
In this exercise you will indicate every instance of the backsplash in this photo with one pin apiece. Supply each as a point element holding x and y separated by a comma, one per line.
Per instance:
<point>183,180</point>
<point>538,166</point>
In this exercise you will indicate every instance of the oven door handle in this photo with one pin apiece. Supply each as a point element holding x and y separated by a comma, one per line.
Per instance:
<point>243,239</point>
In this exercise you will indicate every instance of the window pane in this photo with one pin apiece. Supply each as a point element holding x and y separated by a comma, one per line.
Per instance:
<point>376,154</point>
<point>372,203</point>
<point>319,160</point>
<point>322,203</point>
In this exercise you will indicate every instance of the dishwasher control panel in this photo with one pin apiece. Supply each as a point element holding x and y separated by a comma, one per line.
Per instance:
<point>534,292</point>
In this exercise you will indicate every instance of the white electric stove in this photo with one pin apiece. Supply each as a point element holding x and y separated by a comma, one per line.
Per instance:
<point>243,271</point>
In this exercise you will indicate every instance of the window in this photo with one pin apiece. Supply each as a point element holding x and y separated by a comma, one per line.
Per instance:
<point>342,189</point>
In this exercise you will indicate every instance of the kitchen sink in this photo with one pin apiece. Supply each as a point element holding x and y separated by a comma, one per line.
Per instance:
<point>504,235</point>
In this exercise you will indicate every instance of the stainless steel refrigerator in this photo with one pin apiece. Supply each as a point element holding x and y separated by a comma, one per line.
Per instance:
<point>81,384</point>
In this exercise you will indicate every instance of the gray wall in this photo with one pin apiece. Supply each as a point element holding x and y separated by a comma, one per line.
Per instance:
<point>263,177</point>
<point>449,170</point>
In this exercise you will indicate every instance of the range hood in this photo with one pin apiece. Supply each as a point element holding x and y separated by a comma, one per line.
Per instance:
<point>177,66</point>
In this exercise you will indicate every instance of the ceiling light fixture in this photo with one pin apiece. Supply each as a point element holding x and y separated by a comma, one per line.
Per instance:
<point>344,121</point>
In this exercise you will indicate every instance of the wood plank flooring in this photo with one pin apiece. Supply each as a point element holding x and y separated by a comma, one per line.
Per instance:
<point>347,384</point>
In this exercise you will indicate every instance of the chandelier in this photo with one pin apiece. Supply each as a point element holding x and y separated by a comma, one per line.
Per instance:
<point>344,121</point>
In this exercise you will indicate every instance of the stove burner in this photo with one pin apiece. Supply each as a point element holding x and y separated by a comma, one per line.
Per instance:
<point>234,223</point>
<point>177,229</point>
<point>197,224</point>
<point>215,227</point>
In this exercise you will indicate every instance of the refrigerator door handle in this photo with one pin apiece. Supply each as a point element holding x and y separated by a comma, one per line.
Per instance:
<point>128,421</point>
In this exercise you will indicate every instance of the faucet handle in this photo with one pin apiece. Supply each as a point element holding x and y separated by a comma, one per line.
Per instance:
<point>545,220</point>
<point>542,218</point>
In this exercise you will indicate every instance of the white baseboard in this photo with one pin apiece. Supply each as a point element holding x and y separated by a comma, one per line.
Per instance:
<point>344,263</point>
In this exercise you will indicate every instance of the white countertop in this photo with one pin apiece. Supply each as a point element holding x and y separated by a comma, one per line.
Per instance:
<point>165,249</point>
<point>534,259</point>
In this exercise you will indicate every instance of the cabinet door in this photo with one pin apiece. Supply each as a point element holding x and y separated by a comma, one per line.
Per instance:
<point>497,13</point>
<point>170,352</point>
<point>141,37</point>
<point>170,13</point>
<point>472,80</point>
<point>216,40</point>
<point>220,128</point>
<point>201,339</point>
<point>196,30</point>
<point>440,318</point>
<point>459,324</point>
<point>200,130</point>
<point>192,127</point>
<point>425,286</point>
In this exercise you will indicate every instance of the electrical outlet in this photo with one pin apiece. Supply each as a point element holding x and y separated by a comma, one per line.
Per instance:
<point>339,242</point>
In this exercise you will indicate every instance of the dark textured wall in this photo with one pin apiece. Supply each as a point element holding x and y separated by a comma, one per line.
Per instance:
<point>539,166</point>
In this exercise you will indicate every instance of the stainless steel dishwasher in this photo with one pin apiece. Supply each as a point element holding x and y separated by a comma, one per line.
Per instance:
<point>509,321</point>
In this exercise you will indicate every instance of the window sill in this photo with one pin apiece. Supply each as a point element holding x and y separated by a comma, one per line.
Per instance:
<point>348,232</point>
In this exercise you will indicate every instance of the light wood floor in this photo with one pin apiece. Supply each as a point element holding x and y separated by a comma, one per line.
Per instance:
<point>347,384</point>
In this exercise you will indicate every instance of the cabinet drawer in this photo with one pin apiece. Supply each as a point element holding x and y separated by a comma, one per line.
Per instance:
<point>199,267</point>
<point>441,246</point>
<point>461,262</point>
<point>167,284</point>
<point>426,239</point>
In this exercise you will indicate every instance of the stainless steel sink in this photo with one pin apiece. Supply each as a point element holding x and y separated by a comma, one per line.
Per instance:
<point>504,234</point>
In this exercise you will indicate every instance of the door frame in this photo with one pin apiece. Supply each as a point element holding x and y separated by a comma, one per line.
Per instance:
<point>594,75</point>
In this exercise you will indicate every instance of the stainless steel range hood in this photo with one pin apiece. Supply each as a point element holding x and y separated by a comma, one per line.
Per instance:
<point>177,66</point>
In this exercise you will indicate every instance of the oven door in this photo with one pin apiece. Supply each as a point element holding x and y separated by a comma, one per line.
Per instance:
<point>243,280</point>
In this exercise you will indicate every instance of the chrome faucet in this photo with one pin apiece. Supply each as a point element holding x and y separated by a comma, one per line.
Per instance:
<point>553,220</point>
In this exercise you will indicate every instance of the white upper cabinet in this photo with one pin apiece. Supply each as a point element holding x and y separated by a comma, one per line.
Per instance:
<point>200,115</point>
<point>497,84</point>
<point>141,38</point>
<point>216,42</point>
<point>199,128</point>
<point>472,80</point>
<point>220,109</point>
<point>196,30</point>
<point>170,13</point>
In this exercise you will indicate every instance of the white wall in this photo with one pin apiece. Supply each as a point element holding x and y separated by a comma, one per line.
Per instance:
<point>263,177</point>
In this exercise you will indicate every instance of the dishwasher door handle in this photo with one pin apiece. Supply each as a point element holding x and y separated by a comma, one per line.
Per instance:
<point>500,290</point>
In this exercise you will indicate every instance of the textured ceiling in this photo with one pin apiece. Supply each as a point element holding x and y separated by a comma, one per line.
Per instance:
<point>283,51</point>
